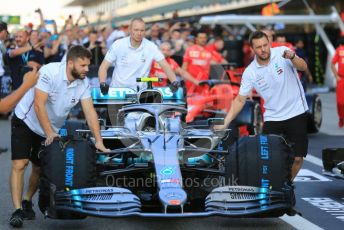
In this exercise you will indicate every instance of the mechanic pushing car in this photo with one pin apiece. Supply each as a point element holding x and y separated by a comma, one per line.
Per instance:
<point>273,74</point>
<point>132,57</point>
<point>39,116</point>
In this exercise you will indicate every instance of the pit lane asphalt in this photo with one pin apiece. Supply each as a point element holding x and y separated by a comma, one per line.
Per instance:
<point>311,185</point>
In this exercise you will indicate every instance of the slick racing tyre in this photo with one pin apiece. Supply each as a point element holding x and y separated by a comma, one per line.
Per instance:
<point>65,164</point>
<point>262,161</point>
<point>314,113</point>
<point>254,159</point>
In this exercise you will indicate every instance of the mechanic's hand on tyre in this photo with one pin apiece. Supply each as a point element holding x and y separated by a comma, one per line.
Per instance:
<point>174,86</point>
<point>50,138</point>
<point>100,146</point>
<point>104,88</point>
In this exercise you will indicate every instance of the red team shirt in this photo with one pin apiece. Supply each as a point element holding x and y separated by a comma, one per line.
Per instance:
<point>157,71</point>
<point>198,59</point>
<point>216,55</point>
<point>339,58</point>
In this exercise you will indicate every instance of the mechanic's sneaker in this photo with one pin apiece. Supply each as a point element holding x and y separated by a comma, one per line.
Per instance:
<point>17,218</point>
<point>29,214</point>
<point>341,122</point>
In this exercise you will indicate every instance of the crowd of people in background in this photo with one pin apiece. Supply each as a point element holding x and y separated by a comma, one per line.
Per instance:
<point>43,44</point>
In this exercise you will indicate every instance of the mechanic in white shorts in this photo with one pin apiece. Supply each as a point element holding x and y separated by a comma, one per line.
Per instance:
<point>132,58</point>
<point>38,117</point>
<point>273,74</point>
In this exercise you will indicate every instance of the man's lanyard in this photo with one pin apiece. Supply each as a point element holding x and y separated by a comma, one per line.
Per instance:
<point>25,57</point>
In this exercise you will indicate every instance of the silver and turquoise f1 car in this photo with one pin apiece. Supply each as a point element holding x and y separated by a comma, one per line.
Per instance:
<point>160,167</point>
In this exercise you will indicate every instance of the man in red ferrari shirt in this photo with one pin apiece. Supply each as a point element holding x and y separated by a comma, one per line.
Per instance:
<point>339,75</point>
<point>197,62</point>
<point>157,71</point>
<point>214,49</point>
<point>281,40</point>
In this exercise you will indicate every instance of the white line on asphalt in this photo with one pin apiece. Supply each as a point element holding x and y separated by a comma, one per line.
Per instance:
<point>306,175</point>
<point>299,222</point>
<point>314,160</point>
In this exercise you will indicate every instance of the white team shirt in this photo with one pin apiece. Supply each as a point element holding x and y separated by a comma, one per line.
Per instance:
<point>278,84</point>
<point>62,96</point>
<point>131,63</point>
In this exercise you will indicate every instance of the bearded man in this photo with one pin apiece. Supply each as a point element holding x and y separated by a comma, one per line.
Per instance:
<point>38,117</point>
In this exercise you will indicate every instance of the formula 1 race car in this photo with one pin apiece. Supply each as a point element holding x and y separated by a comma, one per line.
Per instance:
<point>215,102</point>
<point>160,167</point>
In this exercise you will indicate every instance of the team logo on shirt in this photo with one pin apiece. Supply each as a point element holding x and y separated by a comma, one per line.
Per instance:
<point>205,54</point>
<point>45,79</point>
<point>194,54</point>
<point>124,60</point>
<point>143,59</point>
<point>278,69</point>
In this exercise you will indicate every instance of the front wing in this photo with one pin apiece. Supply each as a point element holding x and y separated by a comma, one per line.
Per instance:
<point>231,201</point>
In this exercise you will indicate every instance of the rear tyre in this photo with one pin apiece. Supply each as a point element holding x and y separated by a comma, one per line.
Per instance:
<point>314,113</point>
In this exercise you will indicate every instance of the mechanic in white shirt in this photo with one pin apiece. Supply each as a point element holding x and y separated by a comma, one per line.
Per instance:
<point>40,114</point>
<point>132,58</point>
<point>273,74</point>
